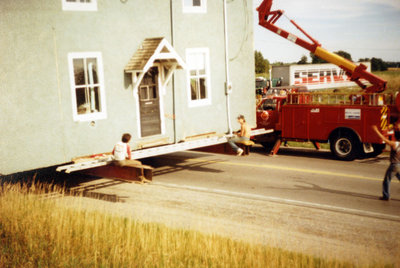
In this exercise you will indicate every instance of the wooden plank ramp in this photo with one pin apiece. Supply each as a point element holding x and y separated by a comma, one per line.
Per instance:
<point>102,164</point>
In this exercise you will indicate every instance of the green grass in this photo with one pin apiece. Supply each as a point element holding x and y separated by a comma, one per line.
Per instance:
<point>307,145</point>
<point>36,231</point>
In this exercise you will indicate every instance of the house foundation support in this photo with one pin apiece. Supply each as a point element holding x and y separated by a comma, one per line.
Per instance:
<point>127,173</point>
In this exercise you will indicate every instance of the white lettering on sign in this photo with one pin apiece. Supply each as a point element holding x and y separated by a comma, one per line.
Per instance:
<point>320,76</point>
<point>354,114</point>
<point>300,77</point>
<point>315,110</point>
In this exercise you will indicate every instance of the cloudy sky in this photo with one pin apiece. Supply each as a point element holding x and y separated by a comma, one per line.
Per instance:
<point>364,28</point>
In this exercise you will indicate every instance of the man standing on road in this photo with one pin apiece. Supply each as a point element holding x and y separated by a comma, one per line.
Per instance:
<point>394,167</point>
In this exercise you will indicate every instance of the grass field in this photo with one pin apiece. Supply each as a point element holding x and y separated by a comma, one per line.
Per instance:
<point>392,77</point>
<point>38,231</point>
<point>307,144</point>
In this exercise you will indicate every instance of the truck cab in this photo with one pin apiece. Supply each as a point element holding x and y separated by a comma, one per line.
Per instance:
<point>270,106</point>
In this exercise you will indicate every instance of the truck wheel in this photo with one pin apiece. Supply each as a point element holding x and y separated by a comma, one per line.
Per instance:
<point>344,147</point>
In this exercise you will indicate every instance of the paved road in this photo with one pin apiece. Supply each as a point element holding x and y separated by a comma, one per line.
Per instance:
<point>301,200</point>
<point>303,175</point>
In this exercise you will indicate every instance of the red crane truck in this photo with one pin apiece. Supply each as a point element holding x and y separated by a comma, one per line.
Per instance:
<point>343,120</point>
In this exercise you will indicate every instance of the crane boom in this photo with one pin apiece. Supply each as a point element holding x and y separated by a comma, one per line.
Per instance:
<point>268,18</point>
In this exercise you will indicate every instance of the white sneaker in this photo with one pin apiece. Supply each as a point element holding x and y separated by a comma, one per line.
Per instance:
<point>239,152</point>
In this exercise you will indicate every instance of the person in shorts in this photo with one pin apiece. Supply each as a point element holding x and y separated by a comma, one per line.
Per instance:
<point>241,135</point>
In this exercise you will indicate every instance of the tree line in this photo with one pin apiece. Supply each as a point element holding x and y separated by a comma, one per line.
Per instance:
<point>377,64</point>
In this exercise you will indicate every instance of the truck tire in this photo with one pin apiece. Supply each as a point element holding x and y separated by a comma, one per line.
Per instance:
<point>345,147</point>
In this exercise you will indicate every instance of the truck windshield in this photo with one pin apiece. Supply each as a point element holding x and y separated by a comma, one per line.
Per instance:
<point>269,104</point>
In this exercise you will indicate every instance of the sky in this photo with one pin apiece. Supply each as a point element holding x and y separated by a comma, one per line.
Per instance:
<point>363,28</point>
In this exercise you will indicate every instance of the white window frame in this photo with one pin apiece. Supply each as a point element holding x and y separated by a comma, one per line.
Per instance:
<point>207,100</point>
<point>102,114</point>
<point>78,6</point>
<point>192,9</point>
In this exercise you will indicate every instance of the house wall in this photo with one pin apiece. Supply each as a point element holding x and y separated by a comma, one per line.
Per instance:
<point>36,119</point>
<point>207,30</point>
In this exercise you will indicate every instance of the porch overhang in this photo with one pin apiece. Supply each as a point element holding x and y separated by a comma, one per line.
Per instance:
<point>154,51</point>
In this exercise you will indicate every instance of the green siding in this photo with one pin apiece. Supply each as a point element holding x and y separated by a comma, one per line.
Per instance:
<point>37,127</point>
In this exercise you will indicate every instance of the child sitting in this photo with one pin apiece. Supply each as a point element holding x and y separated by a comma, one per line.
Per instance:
<point>121,150</point>
<point>123,157</point>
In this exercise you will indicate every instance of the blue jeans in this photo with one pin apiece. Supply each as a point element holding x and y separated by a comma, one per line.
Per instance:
<point>232,143</point>
<point>393,169</point>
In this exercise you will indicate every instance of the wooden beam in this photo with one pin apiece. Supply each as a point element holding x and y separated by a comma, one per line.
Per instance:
<point>128,172</point>
<point>136,80</point>
<point>168,77</point>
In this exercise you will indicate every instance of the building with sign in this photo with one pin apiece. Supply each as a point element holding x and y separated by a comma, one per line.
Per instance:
<point>314,76</point>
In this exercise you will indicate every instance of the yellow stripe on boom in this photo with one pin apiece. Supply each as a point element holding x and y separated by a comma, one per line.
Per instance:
<point>335,59</point>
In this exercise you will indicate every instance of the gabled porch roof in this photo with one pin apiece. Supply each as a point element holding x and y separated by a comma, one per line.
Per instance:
<point>152,51</point>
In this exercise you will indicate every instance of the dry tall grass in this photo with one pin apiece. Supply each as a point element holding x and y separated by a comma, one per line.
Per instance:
<point>37,231</point>
<point>393,79</point>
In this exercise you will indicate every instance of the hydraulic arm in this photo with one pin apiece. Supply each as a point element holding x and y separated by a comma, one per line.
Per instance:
<point>268,18</point>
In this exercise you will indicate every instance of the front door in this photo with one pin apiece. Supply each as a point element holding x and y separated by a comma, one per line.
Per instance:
<point>149,103</point>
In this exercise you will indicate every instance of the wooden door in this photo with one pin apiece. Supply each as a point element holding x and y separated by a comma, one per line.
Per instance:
<point>149,103</point>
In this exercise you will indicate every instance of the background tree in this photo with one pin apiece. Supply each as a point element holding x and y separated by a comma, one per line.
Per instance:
<point>378,65</point>
<point>344,54</point>
<point>303,60</point>
<point>364,60</point>
<point>392,64</point>
<point>261,64</point>
<point>316,60</point>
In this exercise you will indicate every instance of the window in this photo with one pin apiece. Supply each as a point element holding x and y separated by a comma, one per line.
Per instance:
<point>197,61</point>
<point>194,6</point>
<point>87,86</point>
<point>148,93</point>
<point>269,104</point>
<point>79,5</point>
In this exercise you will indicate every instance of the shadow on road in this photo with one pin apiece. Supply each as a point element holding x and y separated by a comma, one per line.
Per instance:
<point>178,162</point>
<point>316,154</point>
<point>297,151</point>
<point>316,188</point>
<point>373,160</point>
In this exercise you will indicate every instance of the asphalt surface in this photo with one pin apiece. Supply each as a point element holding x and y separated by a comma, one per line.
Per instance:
<point>301,200</point>
<point>304,175</point>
